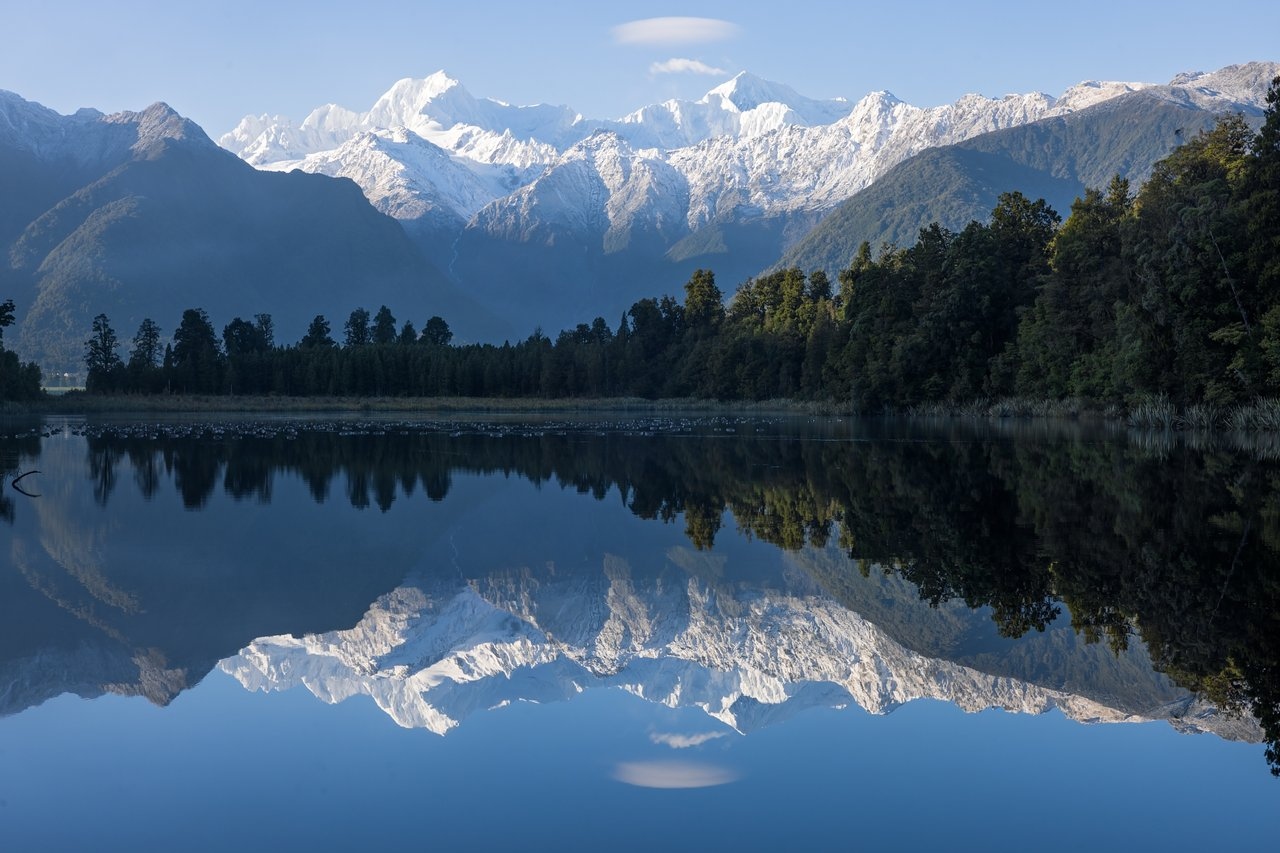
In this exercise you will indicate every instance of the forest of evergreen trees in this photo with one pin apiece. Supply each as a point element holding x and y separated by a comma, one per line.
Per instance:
<point>1172,290</point>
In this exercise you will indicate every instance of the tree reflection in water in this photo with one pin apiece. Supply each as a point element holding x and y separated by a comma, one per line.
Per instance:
<point>1168,538</point>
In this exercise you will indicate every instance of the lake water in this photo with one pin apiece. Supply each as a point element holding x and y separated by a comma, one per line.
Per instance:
<point>694,633</point>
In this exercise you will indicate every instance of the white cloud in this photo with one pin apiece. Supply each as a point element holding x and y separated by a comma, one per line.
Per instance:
<point>674,31</point>
<point>672,774</point>
<point>675,65</point>
<point>676,741</point>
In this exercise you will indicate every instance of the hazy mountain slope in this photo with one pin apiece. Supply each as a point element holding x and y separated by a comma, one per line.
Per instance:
<point>172,222</point>
<point>951,185</point>
<point>1054,158</point>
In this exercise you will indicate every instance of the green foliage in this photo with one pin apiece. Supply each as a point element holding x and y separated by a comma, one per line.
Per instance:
<point>6,318</point>
<point>241,338</point>
<point>436,332</point>
<point>703,301</point>
<point>146,351</point>
<point>18,381</point>
<point>384,326</point>
<point>408,334</point>
<point>105,369</point>
<point>356,330</point>
<point>317,336</point>
<point>195,363</point>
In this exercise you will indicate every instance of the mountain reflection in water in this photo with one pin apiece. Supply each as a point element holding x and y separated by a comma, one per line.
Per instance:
<point>803,563</point>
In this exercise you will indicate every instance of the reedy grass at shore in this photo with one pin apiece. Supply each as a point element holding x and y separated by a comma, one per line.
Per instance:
<point>1151,412</point>
<point>72,404</point>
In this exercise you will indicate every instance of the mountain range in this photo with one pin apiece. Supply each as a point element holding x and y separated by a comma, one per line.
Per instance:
<point>504,218</point>
<point>557,217</point>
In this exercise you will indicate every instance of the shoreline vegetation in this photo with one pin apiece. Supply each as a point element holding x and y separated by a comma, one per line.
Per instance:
<point>1149,413</point>
<point>84,403</point>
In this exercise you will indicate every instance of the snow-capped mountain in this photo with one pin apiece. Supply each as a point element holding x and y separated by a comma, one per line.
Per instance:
<point>432,653</point>
<point>612,210</point>
<point>748,147</point>
<point>88,138</point>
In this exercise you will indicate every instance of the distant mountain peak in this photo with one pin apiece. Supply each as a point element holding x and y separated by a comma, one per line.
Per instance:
<point>747,91</point>
<point>1246,82</point>
<point>423,90</point>
<point>159,123</point>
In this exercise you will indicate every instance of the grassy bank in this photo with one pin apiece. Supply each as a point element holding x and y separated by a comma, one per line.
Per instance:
<point>1148,412</point>
<point>86,404</point>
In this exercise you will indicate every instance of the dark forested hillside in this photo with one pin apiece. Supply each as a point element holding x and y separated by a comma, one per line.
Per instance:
<point>1053,159</point>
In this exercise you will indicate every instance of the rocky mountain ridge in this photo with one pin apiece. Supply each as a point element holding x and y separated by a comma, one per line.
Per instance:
<point>747,142</point>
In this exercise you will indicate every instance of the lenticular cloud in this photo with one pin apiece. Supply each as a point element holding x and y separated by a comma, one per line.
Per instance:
<point>674,31</point>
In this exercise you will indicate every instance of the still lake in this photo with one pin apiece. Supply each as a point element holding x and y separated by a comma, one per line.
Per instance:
<point>686,633</point>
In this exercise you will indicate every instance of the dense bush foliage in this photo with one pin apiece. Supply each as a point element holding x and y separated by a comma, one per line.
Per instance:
<point>18,381</point>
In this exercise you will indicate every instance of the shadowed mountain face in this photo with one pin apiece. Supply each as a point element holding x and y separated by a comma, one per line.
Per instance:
<point>1054,159</point>
<point>869,564</point>
<point>140,215</point>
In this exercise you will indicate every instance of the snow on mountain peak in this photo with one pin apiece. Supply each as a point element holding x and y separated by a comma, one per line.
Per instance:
<point>1246,83</point>
<point>331,118</point>
<point>747,91</point>
<point>158,122</point>
<point>89,136</point>
<point>409,103</point>
<point>1090,92</point>
<point>749,148</point>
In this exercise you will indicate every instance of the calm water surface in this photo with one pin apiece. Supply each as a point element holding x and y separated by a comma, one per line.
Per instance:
<point>694,633</point>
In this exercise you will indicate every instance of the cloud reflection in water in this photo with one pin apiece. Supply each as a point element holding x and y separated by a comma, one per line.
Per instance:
<point>673,774</point>
<point>679,741</point>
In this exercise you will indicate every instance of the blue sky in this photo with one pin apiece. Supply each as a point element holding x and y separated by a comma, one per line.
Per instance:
<point>217,62</point>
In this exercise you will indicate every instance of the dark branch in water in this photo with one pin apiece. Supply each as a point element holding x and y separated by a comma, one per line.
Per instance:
<point>21,490</point>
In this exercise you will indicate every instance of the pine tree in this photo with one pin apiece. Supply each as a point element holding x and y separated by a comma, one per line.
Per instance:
<point>101,358</point>
<point>384,326</point>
